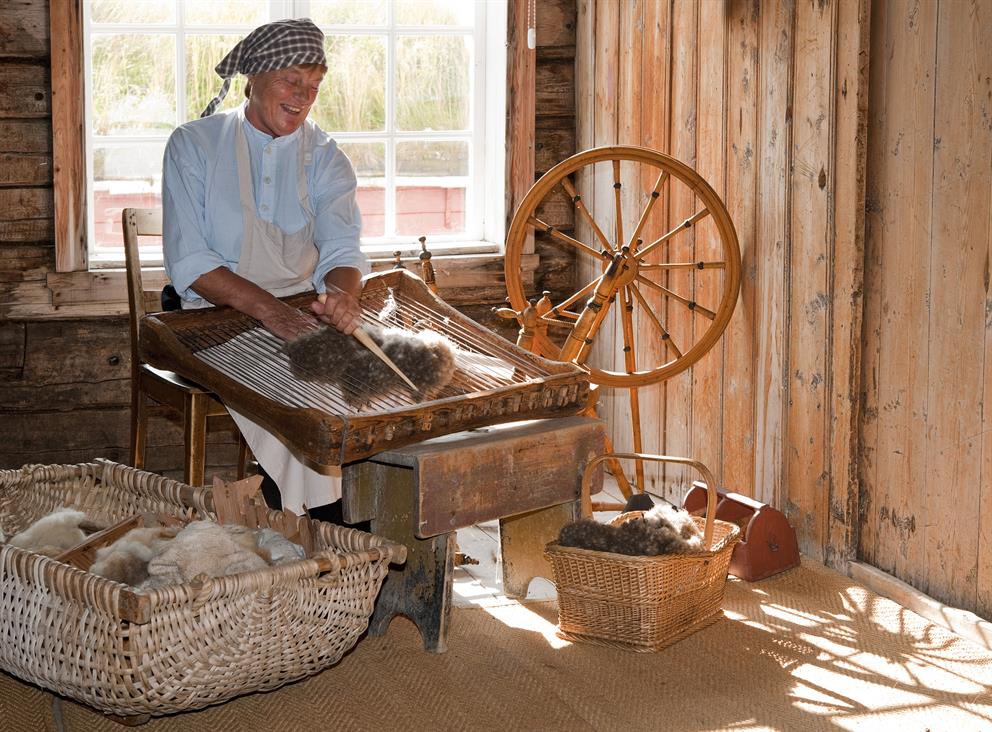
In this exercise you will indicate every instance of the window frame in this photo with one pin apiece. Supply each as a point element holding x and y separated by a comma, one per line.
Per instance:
<point>103,292</point>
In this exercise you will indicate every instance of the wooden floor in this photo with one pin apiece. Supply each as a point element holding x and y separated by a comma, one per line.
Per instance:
<point>480,584</point>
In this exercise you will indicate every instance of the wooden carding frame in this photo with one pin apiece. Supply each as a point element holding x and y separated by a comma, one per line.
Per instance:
<point>527,475</point>
<point>233,356</point>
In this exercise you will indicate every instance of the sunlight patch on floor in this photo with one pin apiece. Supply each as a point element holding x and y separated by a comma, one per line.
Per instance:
<point>515,615</point>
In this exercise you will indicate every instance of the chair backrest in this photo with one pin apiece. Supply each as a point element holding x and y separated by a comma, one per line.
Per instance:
<point>137,222</point>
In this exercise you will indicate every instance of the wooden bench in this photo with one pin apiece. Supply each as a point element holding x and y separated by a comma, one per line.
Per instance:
<point>526,474</point>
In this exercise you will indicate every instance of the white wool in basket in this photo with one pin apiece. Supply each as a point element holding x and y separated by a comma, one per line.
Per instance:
<point>52,534</point>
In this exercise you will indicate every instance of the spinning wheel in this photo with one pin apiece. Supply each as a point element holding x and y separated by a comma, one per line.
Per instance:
<point>674,278</point>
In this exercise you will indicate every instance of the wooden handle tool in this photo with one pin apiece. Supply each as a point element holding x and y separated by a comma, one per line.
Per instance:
<point>366,340</point>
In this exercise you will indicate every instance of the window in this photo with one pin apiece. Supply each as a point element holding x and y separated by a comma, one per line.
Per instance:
<point>406,97</point>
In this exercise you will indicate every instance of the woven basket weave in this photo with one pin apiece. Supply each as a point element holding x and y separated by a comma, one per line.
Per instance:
<point>181,647</point>
<point>642,603</point>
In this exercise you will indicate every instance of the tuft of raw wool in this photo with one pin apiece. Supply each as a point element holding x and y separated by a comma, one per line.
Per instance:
<point>204,548</point>
<point>52,534</point>
<point>279,548</point>
<point>126,560</point>
<point>662,530</point>
<point>327,355</point>
<point>680,522</point>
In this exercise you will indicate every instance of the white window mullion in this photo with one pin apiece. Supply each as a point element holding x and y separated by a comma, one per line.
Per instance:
<point>389,227</point>
<point>181,112</point>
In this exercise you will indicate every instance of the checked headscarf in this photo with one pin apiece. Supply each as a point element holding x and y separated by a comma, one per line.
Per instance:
<point>272,46</point>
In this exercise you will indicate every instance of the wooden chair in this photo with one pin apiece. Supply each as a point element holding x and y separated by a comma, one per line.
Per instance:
<point>158,393</point>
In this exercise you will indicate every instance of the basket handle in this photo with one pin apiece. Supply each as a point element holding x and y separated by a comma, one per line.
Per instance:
<point>710,481</point>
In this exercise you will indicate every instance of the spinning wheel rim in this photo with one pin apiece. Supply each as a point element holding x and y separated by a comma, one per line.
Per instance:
<point>713,207</point>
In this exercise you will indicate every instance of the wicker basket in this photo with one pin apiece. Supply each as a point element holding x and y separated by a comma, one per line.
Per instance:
<point>642,603</point>
<point>182,647</point>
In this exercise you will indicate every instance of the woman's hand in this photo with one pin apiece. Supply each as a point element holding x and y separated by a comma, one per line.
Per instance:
<point>339,309</point>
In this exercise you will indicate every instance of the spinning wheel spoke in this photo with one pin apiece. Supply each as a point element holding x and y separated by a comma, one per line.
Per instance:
<point>618,209</point>
<point>566,184</point>
<point>565,238</point>
<point>687,224</point>
<point>559,309</point>
<point>665,335</point>
<point>655,194</point>
<point>690,304</point>
<point>683,265</point>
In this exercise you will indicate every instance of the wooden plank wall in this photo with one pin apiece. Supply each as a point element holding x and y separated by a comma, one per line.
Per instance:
<point>64,382</point>
<point>767,101</point>
<point>926,452</point>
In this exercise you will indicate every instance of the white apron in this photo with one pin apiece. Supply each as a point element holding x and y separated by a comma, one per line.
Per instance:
<point>282,264</point>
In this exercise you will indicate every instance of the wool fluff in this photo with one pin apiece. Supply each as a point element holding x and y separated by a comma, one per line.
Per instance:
<point>327,355</point>
<point>126,560</point>
<point>204,548</point>
<point>52,534</point>
<point>663,530</point>
<point>280,549</point>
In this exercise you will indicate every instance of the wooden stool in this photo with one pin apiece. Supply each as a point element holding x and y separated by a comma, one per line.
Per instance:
<point>527,474</point>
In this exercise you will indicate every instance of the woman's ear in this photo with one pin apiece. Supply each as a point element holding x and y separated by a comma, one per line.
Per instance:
<point>248,88</point>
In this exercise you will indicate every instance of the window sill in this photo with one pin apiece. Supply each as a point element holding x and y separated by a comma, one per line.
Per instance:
<point>462,279</point>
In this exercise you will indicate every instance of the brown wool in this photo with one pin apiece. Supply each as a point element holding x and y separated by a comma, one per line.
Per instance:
<point>327,355</point>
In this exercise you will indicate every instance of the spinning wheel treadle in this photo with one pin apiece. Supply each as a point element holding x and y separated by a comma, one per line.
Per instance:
<point>632,271</point>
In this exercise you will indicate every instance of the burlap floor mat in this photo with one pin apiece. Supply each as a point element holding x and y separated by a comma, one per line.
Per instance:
<point>807,650</point>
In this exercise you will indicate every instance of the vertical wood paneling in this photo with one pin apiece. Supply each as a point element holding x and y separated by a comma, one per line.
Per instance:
<point>850,103</point>
<point>772,230</point>
<point>741,335</point>
<point>656,73</point>
<point>711,123</point>
<point>808,328</point>
<point>608,56</point>
<point>681,248</point>
<point>895,370</point>
<point>958,281</point>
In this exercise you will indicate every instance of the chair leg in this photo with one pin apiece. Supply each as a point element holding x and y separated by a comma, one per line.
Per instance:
<point>195,439</point>
<point>139,427</point>
<point>242,468</point>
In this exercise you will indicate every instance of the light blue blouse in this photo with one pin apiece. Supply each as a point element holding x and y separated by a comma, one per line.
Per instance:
<point>201,208</point>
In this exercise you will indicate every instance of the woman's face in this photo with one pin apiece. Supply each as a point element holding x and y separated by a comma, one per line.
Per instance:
<point>280,100</point>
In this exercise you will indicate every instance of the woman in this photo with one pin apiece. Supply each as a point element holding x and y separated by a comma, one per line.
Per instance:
<point>259,203</point>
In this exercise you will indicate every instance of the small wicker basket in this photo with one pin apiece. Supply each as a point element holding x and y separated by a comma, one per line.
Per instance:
<point>133,653</point>
<point>642,603</point>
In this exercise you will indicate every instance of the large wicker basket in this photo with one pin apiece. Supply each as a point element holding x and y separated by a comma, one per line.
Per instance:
<point>642,603</point>
<point>186,646</point>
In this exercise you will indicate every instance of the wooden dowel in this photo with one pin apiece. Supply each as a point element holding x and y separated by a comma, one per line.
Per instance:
<point>577,202</point>
<point>687,224</point>
<point>665,335</point>
<point>618,211</point>
<point>647,210</point>
<point>366,340</point>
<point>630,363</point>
<point>693,306</point>
<point>565,238</point>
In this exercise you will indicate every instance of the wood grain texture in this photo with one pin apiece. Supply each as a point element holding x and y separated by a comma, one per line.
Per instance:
<point>24,91</point>
<point>740,338</point>
<point>24,29</point>
<point>772,230</point>
<point>850,100</point>
<point>809,300</point>
<point>67,93</point>
<point>682,203</point>
<point>712,116</point>
<point>962,174</point>
<point>520,103</point>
